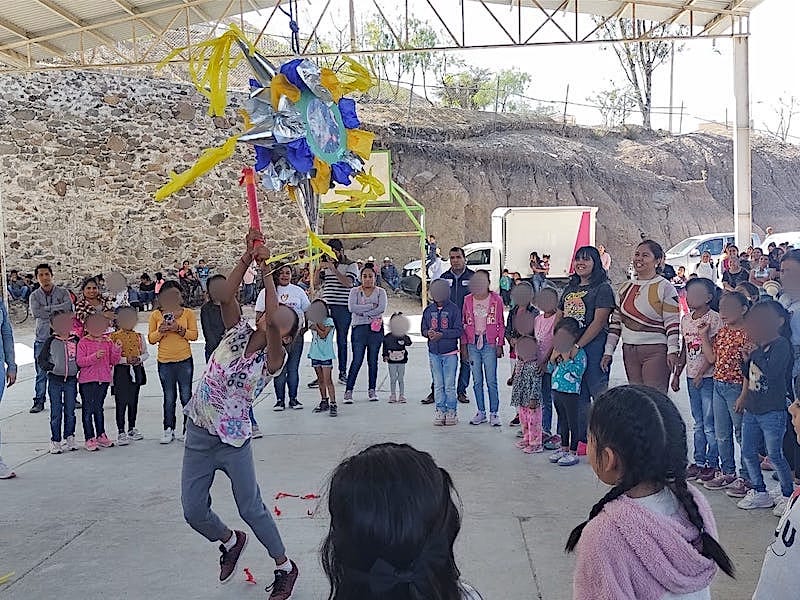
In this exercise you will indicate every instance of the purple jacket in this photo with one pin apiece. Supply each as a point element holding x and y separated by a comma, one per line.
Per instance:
<point>495,325</point>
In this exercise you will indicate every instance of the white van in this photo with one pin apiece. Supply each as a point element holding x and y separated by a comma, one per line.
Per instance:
<point>793,237</point>
<point>687,253</point>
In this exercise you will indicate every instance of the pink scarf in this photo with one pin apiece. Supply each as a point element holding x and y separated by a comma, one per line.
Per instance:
<point>631,552</point>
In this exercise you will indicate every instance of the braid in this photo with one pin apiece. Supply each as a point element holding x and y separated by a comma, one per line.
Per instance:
<point>709,547</point>
<point>612,495</point>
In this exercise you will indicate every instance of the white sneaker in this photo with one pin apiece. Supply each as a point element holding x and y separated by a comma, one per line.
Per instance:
<point>55,448</point>
<point>257,433</point>
<point>5,471</point>
<point>167,437</point>
<point>781,502</point>
<point>123,439</point>
<point>134,435</point>
<point>180,436</point>
<point>69,444</point>
<point>755,499</point>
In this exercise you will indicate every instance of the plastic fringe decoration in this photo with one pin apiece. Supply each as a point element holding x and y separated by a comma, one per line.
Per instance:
<point>209,159</point>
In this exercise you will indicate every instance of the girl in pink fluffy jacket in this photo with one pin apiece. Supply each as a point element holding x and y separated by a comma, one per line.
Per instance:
<point>651,537</point>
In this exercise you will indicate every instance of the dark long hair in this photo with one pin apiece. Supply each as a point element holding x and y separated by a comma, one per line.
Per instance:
<point>646,431</point>
<point>276,272</point>
<point>394,520</point>
<point>598,274</point>
<point>777,309</point>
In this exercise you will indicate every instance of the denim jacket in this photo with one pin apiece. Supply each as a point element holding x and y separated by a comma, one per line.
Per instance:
<point>7,341</point>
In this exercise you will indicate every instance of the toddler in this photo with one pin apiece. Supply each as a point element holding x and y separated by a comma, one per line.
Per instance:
<point>395,353</point>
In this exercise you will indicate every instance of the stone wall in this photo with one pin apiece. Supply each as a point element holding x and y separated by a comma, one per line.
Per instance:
<point>81,155</point>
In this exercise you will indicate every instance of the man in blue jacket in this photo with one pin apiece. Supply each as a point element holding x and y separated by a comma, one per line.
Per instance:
<point>441,324</point>
<point>8,370</point>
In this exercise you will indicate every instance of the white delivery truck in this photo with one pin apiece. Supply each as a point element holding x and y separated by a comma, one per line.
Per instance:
<point>516,232</point>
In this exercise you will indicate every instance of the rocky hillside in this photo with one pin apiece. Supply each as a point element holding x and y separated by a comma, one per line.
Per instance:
<point>82,153</point>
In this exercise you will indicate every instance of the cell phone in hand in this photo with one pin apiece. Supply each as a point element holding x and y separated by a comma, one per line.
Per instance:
<point>169,318</point>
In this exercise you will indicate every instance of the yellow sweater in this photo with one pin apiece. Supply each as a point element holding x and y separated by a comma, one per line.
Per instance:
<point>171,346</point>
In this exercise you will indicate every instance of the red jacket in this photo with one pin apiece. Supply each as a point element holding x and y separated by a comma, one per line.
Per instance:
<point>495,326</point>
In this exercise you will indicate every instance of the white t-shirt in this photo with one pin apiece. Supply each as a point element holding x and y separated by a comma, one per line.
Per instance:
<point>665,503</point>
<point>780,575</point>
<point>707,270</point>
<point>291,295</point>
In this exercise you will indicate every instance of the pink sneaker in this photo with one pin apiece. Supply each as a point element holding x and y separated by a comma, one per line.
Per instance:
<point>521,444</point>
<point>103,441</point>
<point>401,399</point>
<point>392,399</point>
<point>91,445</point>
<point>533,449</point>
<point>581,449</point>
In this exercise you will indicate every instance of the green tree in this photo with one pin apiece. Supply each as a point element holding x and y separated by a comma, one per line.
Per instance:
<point>504,90</point>
<point>462,89</point>
<point>640,59</point>
<point>615,104</point>
<point>420,35</point>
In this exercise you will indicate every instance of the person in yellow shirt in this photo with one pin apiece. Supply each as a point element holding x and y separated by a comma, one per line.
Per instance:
<point>172,327</point>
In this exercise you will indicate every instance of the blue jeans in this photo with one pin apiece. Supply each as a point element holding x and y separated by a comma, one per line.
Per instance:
<point>291,372</point>
<point>701,402</point>
<point>41,375</point>
<point>176,378</point>
<point>547,403</point>
<point>365,341</point>
<point>147,297</point>
<point>595,380</point>
<point>773,426</point>
<point>484,365</point>
<point>63,393</point>
<point>727,426</point>
<point>342,317</point>
<point>443,371</point>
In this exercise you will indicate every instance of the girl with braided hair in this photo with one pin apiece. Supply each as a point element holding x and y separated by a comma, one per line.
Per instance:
<point>651,537</point>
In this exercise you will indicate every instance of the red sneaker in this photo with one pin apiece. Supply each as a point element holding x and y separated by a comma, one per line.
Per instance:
<point>581,449</point>
<point>230,558</point>
<point>282,587</point>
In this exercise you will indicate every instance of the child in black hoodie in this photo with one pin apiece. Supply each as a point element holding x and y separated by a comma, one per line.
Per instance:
<point>58,359</point>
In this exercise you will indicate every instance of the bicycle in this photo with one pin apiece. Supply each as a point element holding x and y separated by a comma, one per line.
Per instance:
<point>18,310</point>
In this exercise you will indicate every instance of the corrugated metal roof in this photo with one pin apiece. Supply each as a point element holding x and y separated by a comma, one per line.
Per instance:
<point>46,30</point>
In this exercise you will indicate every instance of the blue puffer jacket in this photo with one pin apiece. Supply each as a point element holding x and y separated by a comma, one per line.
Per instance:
<point>8,361</point>
<point>447,320</point>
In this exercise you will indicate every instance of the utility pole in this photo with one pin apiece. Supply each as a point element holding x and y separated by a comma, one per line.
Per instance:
<point>671,81</point>
<point>353,41</point>
<point>566,103</point>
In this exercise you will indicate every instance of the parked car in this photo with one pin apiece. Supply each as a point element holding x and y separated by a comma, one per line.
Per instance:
<point>793,237</point>
<point>687,253</point>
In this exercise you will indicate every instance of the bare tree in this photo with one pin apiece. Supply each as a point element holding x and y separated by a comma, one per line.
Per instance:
<point>640,59</point>
<point>785,111</point>
<point>615,104</point>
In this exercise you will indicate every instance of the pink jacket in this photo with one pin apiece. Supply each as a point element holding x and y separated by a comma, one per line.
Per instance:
<point>628,551</point>
<point>495,325</point>
<point>93,369</point>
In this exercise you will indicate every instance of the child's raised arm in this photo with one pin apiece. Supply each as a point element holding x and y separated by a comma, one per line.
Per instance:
<point>231,312</point>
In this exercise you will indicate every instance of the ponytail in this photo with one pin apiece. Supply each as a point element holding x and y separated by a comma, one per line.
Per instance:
<point>709,547</point>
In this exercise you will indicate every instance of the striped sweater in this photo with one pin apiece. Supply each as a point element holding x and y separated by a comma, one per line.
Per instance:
<point>648,313</point>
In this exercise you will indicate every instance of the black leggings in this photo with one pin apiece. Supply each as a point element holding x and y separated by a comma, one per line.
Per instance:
<point>126,395</point>
<point>571,419</point>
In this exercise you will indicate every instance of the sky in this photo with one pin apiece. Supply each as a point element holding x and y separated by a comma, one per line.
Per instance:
<point>703,76</point>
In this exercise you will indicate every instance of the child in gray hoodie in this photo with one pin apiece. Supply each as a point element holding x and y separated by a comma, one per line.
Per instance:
<point>58,360</point>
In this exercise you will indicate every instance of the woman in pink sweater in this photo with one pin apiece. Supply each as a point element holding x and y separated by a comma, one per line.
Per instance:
<point>651,537</point>
<point>482,343</point>
<point>97,355</point>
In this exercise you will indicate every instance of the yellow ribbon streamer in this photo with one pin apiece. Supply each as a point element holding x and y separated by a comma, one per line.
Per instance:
<point>321,182</point>
<point>6,578</point>
<point>371,189</point>
<point>281,86</point>
<point>360,142</point>
<point>330,81</point>
<point>209,159</point>
<point>209,65</point>
<point>355,77</point>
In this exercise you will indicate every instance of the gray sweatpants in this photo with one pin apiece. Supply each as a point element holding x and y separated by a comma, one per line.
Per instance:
<point>397,374</point>
<point>203,456</point>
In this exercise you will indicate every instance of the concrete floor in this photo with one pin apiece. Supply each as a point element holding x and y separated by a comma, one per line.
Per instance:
<point>109,525</point>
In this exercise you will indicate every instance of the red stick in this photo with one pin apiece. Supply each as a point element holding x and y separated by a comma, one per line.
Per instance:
<point>249,181</point>
<point>249,577</point>
<point>280,495</point>
<point>277,511</point>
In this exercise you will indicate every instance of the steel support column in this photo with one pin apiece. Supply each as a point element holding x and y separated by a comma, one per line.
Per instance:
<point>742,200</point>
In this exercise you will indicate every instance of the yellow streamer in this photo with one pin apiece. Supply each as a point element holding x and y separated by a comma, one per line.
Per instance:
<point>371,189</point>
<point>209,65</point>
<point>355,77</point>
<point>360,142</point>
<point>321,182</point>
<point>318,249</point>
<point>330,81</point>
<point>209,159</point>
<point>6,578</point>
<point>281,86</point>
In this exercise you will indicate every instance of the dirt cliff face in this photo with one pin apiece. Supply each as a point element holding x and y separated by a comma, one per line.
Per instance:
<point>465,165</point>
